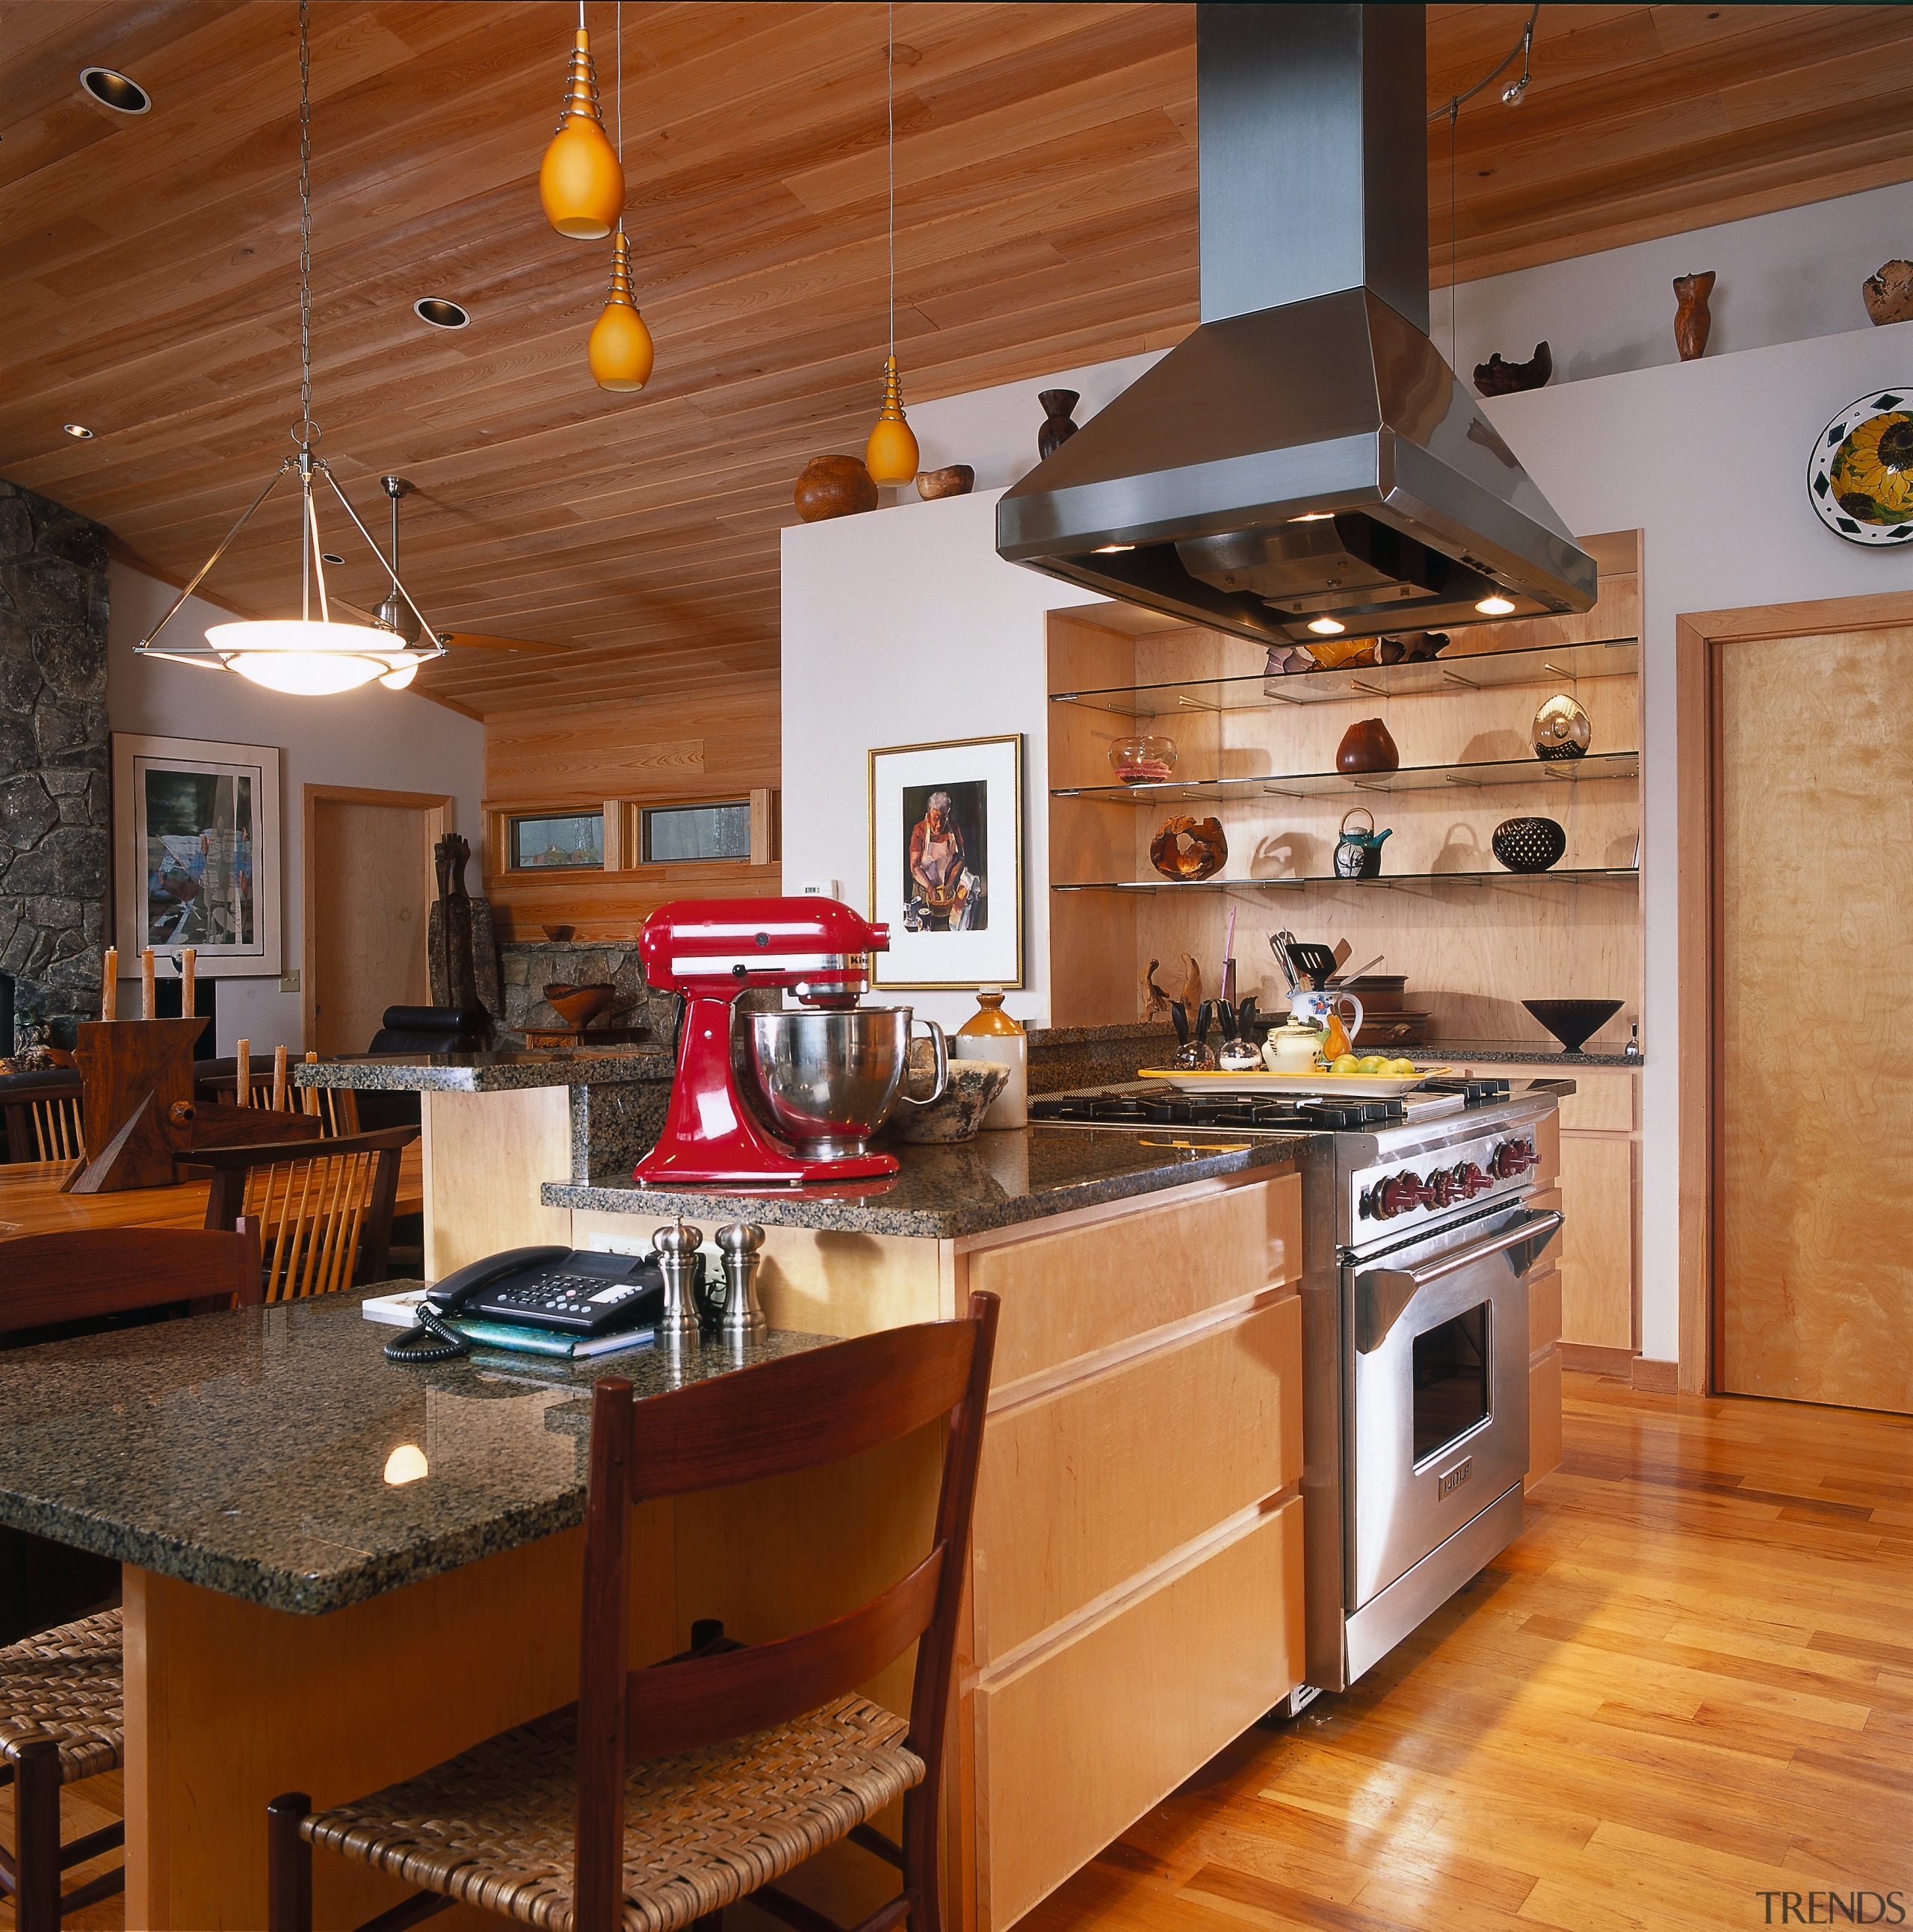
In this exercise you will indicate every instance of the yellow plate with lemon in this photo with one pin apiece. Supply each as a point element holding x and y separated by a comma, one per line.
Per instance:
<point>1352,1082</point>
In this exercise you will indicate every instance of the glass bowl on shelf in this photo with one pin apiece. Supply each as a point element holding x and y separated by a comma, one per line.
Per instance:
<point>1143,760</point>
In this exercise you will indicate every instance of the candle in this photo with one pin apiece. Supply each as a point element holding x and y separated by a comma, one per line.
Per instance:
<point>278,1079</point>
<point>110,984</point>
<point>189,960</point>
<point>312,1093</point>
<point>148,998</point>
<point>242,1094</point>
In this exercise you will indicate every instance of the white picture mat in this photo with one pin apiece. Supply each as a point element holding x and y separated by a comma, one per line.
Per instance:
<point>133,754</point>
<point>949,960</point>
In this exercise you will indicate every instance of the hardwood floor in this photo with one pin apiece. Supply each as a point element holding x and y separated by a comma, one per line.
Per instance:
<point>1690,1682</point>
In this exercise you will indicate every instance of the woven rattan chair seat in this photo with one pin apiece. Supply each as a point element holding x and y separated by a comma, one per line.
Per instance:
<point>66,1684</point>
<point>494,1827</point>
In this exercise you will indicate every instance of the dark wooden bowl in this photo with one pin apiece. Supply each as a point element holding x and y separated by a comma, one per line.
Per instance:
<point>833,486</point>
<point>578,1006</point>
<point>958,479</point>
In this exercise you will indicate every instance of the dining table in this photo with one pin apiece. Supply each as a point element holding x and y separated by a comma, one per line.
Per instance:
<point>31,1203</point>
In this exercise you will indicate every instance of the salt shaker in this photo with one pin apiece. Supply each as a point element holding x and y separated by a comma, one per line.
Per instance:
<point>676,1248</point>
<point>743,1318</point>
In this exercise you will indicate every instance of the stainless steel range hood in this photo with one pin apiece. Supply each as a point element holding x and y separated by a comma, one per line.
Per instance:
<point>1306,455</point>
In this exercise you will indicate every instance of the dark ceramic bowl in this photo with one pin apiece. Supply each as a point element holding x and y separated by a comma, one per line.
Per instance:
<point>1573,1022</point>
<point>1529,844</point>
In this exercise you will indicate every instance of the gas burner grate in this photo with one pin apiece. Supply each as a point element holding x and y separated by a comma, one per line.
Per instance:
<point>1182,1110</point>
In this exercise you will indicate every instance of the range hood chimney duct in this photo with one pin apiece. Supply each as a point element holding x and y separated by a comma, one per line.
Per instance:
<point>1306,455</point>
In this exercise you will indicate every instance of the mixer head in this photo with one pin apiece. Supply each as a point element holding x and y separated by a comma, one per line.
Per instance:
<point>817,948</point>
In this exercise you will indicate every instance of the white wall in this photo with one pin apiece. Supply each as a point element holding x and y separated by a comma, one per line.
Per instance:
<point>381,739</point>
<point>904,627</point>
<point>1787,277</point>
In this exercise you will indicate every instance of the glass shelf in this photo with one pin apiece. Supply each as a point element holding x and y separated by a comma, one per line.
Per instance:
<point>1596,766</point>
<point>1329,879</point>
<point>1535,664</point>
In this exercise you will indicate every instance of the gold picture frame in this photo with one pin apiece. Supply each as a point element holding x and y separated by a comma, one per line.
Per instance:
<point>945,848</point>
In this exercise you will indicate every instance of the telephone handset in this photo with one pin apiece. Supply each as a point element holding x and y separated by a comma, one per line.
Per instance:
<point>565,1291</point>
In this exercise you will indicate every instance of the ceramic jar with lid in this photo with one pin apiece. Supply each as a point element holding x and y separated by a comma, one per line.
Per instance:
<point>990,1034</point>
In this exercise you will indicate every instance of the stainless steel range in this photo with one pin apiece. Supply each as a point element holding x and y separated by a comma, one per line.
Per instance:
<point>1417,1241</point>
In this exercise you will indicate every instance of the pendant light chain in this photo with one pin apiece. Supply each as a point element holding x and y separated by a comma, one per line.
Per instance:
<point>303,434</point>
<point>889,97</point>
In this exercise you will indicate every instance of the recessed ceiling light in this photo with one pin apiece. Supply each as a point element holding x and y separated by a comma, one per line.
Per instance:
<point>1327,627</point>
<point>1110,549</point>
<point>114,90</point>
<point>1494,607</point>
<point>440,313</point>
<point>330,557</point>
<point>79,431</point>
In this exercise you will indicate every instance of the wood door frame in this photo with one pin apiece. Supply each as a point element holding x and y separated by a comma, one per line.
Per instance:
<point>1698,637</point>
<point>437,807</point>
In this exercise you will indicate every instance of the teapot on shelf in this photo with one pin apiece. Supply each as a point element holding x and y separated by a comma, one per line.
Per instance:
<point>1358,854</point>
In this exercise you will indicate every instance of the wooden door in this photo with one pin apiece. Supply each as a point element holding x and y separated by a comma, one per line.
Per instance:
<point>1813,1116</point>
<point>368,893</point>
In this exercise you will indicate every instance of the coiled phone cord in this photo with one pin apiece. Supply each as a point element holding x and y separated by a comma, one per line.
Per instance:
<point>450,1343</point>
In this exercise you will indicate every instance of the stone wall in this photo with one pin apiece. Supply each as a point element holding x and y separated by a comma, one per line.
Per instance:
<point>54,809</point>
<point>526,966</point>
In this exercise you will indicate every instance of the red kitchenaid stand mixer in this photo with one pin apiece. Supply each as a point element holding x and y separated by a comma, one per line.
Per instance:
<point>710,951</point>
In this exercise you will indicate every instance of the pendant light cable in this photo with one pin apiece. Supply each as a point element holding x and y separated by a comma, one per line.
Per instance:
<point>890,99</point>
<point>305,433</point>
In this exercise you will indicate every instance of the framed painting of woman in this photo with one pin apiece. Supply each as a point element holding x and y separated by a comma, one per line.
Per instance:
<point>946,863</point>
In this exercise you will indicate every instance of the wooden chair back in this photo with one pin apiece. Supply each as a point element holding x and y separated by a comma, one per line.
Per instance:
<point>323,1207</point>
<point>799,1413</point>
<point>45,1118</point>
<point>337,1108</point>
<point>87,1273</point>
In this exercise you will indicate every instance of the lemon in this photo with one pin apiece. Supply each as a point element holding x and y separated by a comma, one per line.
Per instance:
<point>1347,1063</point>
<point>1405,1069</point>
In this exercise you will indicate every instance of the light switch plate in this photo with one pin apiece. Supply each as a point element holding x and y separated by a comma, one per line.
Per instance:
<point>288,981</point>
<point>823,888</point>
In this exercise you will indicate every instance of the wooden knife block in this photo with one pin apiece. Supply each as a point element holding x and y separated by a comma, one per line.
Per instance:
<point>135,1071</point>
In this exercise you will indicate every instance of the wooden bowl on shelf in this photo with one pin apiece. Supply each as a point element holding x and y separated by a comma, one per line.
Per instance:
<point>559,935</point>
<point>578,1006</point>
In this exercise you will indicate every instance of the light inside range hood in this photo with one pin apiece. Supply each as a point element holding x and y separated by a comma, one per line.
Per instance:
<point>1306,457</point>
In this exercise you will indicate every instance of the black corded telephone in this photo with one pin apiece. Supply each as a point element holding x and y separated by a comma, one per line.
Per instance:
<point>568,1291</point>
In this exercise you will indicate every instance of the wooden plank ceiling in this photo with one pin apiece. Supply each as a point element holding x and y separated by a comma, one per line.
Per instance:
<point>1045,172</point>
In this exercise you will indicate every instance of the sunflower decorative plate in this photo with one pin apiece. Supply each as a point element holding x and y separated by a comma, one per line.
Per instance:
<point>1860,477</point>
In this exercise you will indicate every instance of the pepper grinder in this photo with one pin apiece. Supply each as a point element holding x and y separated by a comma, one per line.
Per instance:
<point>676,1248</point>
<point>743,1318</point>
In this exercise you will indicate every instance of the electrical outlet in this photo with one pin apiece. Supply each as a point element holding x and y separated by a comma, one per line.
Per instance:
<point>599,1243</point>
<point>288,981</point>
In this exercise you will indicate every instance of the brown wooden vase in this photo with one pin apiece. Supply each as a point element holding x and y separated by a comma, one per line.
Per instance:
<point>833,486</point>
<point>1692,323</point>
<point>1189,848</point>
<point>1366,746</point>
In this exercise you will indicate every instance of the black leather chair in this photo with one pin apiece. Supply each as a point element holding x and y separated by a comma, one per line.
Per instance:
<point>433,1030</point>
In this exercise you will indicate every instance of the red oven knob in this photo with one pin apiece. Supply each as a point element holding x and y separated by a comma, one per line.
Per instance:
<point>1473,1180</point>
<point>1515,1157</point>
<point>1400,1192</point>
<point>1444,1187</point>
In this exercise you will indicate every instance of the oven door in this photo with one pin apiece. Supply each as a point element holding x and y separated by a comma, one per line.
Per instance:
<point>1437,1361</point>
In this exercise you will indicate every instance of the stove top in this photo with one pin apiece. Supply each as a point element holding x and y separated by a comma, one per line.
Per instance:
<point>1158,1105</point>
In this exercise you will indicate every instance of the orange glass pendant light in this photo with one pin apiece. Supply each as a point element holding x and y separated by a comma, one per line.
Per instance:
<point>890,454</point>
<point>620,351</point>
<point>580,181</point>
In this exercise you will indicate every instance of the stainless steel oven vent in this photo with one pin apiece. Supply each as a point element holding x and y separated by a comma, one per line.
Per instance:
<point>1306,457</point>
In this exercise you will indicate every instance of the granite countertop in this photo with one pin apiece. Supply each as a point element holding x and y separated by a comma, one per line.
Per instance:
<point>246,1451</point>
<point>483,1072</point>
<point>998,1180</point>
<point>1516,1053</point>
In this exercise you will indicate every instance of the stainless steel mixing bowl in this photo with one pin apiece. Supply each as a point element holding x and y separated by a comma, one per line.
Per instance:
<point>828,1081</point>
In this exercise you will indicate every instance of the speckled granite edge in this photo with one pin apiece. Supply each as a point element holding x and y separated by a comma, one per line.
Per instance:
<point>406,1075</point>
<point>1054,1045</point>
<point>1471,1053</point>
<point>849,1214</point>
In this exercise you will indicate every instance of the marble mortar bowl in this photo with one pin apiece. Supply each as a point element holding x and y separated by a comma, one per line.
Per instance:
<point>973,1084</point>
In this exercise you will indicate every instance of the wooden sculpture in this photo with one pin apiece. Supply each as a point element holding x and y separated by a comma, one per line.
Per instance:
<point>1155,1001</point>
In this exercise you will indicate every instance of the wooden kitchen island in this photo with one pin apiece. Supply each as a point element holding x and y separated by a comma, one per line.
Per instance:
<point>1135,1579</point>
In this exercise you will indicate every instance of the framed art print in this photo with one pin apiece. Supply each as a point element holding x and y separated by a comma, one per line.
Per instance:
<point>196,852</point>
<point>946,863</point>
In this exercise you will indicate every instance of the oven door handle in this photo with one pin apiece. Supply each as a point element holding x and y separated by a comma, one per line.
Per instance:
<point>1383,1294</point>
